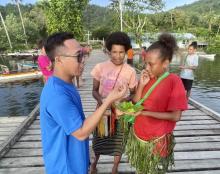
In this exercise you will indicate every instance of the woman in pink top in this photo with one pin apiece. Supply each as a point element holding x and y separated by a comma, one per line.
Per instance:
<point>108,137</point>
<point>44,63</point>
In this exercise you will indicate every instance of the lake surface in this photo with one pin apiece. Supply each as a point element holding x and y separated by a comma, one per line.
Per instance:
<point>206,86</point>
<point>20,98</point>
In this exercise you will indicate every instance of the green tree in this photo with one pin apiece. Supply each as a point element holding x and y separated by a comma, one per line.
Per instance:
<point>65,15</point>
<point>22,20</point>
<point>210,18</point>
<point>134,20</point>
<point>6,30</point>
<point>101,32</point>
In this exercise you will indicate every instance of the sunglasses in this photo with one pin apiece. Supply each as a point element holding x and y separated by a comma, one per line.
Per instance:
<point>79,56</point>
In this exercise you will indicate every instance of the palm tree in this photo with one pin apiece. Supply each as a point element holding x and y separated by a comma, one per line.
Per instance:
<point>209,17</point>
<point>217,22</point>
<point>22,21</point>
<point>6,31</point>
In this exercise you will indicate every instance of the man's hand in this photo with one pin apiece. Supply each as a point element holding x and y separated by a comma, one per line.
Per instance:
<point>117,93</point>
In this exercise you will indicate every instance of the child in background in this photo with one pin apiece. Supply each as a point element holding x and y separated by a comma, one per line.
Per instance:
<point>188,68</point>
<point>44,62</point>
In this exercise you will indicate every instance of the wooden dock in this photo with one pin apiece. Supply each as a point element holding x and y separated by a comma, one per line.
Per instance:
<point>197,136</point>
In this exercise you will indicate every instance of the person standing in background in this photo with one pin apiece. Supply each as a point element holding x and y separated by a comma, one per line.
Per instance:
<point>44,62</point>
<point>130,56</point>
<point>189,65</point>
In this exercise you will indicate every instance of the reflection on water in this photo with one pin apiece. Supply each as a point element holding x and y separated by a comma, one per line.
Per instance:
<point>206,87</point>
<point>19,98</point>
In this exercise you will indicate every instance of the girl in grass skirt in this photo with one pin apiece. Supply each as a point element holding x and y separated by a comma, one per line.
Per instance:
<point>150,143</point>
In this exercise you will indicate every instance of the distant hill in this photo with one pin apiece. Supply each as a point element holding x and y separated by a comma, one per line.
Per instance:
<point>96,16</point>
<point>201,7</point>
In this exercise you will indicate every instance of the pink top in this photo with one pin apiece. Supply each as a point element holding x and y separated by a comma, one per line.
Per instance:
<point>43,63</point>
<point>107,72</point>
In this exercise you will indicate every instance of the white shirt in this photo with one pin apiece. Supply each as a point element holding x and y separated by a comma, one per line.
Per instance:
<point>191,60</point>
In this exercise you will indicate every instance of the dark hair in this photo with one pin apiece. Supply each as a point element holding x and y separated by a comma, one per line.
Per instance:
<point>40,43</point>
<point>166,44</point>
<point>194,45</point>
<point>54,41</point>
<point>118,38</point>
<point>145,48</point>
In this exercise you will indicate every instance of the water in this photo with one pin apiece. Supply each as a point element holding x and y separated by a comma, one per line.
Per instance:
<point>206,87</point>
<point>20,98</point>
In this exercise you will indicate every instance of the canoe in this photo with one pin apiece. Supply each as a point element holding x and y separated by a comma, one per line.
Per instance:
<point>20,76</point>
<point>207,56</point>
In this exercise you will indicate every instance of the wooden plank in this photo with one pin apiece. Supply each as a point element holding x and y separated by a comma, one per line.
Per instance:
<point>2,125</point>
<point>30,138</point>
<point>197,155</point>
<point>13,153</point>
<point>202,146</point>
<point>7,129</point>
<point>123,168</point>
<point>16,134</point>
<point>197,122</point>
<point>2,138</point>
<point>21,162</point>
<point>196,132</point>
<point>193,112</point>
<point>5,133</point>
<point>199,172</point>
<point>194,117</point>
<point>33,132</point>
<point>193,165</point>
<point>17,119</point>
<point>198,139</point>
<point>27,145</point>
<point>196,127</point>
<point>38,161</point>
<point>23,170</point>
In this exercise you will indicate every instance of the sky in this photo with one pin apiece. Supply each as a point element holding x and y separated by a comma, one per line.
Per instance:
<point>169,4</point>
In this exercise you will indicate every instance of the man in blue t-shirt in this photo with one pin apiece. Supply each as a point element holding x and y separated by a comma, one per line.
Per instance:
<point>64,128</point>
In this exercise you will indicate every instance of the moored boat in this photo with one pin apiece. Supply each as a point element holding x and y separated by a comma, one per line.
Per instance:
<point>208,56</point>
<point>20,76</point>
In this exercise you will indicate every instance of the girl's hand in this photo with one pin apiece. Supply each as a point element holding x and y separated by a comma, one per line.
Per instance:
<point>145,78</point>
<point>134,114</point>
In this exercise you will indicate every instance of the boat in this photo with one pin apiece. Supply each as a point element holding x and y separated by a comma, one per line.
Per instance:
<point>208,56</point>
<point>26,66</point>
<point>20,76</point>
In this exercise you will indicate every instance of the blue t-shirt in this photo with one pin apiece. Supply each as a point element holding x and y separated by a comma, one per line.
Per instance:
<point>61,114</point>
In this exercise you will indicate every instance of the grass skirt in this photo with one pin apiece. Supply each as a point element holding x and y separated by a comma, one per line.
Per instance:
<point>150,157</point>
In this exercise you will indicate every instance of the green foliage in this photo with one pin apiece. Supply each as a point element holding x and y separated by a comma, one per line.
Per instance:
<point>95,17</point>
<point>129,107</point>
<point>134,20</point>
<point>214,45</point>
<point>65,15</point>
<point>34,21</point>
<point>101,32</point>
